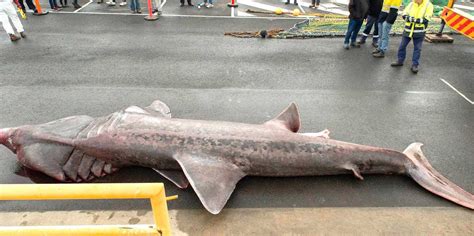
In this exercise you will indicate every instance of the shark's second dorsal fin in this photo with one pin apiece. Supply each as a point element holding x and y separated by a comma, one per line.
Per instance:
<point>212,178</point>
<point>287,119</point>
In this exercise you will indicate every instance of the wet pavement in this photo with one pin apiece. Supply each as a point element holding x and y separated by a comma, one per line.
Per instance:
<point>96,64</point>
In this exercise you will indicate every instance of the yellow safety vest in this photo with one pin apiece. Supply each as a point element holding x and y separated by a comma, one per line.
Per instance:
<point>418,12</point>
<point>387,4</point>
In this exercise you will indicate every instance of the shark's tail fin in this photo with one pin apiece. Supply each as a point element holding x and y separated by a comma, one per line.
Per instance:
<point>425,175</point>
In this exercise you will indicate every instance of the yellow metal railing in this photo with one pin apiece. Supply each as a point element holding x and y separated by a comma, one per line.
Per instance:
<point>153,191</point>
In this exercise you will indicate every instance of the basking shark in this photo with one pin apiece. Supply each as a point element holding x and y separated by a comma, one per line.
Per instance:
<point>211,156</point>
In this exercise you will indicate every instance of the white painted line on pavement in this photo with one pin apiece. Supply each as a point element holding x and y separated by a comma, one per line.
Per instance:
<point>85,5</point>
<point>261,6</point>
<point>162,4</point>
<point>301,9</point>
<point>453,88</point>
<point>186,16</point>
<point>328,7</point>
<point>243,13</point>
<point>343,2</point>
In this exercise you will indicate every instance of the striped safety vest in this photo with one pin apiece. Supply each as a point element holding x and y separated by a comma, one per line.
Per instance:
<point>421,13</point>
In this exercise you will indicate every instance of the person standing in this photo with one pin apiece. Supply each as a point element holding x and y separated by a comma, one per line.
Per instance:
<point>7,13</point>
<point>30,4</point>
<point>387,17</point>
<point>112,3</point>
<point>313,5</point>
<point>295,2</point>
<point>375,6</point>
<point>189,3</point>
<point>135,6</point>
<point>416,15</point>
<point>357,12</point>
<point>54,5</point>
<point>157,7</point>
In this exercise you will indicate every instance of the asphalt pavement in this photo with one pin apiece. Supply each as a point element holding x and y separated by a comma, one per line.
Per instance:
<point>73,64</point>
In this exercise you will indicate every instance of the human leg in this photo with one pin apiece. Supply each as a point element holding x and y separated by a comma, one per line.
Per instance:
<point>355,32</point>
<point>11,12</point>
<point>402,51</point>
<point>350,29</point>
<point>417,43</point>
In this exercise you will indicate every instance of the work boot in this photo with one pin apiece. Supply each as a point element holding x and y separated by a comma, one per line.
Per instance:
<point>355,45</point>
<point>375,44</point>
<point>377,50</point>
<point>380,54</point>
<point>362,39</point>
<point>22,34</point>
<point>397,63</point>
<point>14,38</point>
<point>346,46</point>
<point>76,6</point>
<point>414,69</point>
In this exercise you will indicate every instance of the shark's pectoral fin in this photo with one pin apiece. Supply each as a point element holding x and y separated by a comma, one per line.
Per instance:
<point>288,119</point>
<point>177,177</point>
<point>212,178</point>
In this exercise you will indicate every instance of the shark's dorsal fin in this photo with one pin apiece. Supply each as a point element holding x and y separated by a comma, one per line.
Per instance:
<point>177,177</point>
<point>159,107</point>
<point>287,119</point>
<point>212,178</point>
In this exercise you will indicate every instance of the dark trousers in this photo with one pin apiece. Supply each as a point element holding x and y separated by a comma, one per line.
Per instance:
<point>371,22</point>
<point>402,50</point>
<point>182,2</point>
<point>353,30</point>
<point>313,1</point>
<point>29,3</point>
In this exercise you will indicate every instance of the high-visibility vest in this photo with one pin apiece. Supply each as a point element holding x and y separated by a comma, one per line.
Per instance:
<point>421,13</point>
<point>387,4</point>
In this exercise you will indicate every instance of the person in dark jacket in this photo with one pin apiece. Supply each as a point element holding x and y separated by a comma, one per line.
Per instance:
<point>357,12</point>
<point>375,6</point>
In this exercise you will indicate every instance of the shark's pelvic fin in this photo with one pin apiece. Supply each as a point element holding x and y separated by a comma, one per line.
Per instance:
<point>287,119</point>
<point>213,179</point>
<point>177,177</point>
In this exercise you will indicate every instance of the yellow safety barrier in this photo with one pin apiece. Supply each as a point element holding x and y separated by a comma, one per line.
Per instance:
<point>153,191</point>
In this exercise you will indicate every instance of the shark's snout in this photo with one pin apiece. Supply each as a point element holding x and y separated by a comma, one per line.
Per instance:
<point>5,138</point>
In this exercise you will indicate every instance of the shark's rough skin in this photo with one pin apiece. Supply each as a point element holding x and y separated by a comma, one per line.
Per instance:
<point>210,155</point>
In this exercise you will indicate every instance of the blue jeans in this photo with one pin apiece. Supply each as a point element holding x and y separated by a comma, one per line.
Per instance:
<point>134,5</point>
<point>352,30</point>
<point>384,35</point>
<point>402,50</point>
<point>53,4</point>
<point>371,21</point>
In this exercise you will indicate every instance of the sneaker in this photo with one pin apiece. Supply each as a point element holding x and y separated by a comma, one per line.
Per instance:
<point>414,69</point>
<point>182,5</point>
<point>76,6</point>
<point>123,4</point>
<point>376,50</point>
<point>209,6</point>
<point>22,34</point>
<point>397,64</point>
<point>14,38</point>
<point>346,46</point>
<point>314,6</point>
<point>380,54</point>
<point>110,3</point>
<point>375,44</point>
<point>139,11</point>
<point>362,40</point>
